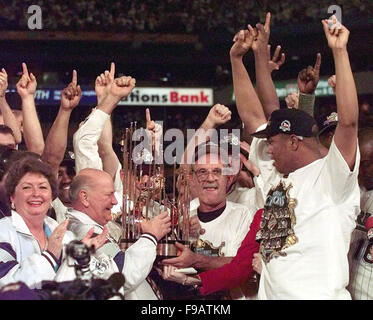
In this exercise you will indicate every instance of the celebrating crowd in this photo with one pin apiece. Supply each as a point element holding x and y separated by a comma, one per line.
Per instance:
<point>292,222</point>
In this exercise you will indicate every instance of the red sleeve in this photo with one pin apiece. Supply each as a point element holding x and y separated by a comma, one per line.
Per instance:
<point>240,269</point>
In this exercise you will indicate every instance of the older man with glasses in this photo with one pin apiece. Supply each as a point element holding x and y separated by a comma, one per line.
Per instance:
<point>224,223</point>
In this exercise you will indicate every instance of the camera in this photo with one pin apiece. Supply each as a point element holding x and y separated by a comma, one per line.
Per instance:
<point>81,254</point>
<point>84,287</point>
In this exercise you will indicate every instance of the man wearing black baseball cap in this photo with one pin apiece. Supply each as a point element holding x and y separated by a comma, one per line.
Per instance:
<point>310,200</point>
<point>291,137</point>
<point>289,121</point>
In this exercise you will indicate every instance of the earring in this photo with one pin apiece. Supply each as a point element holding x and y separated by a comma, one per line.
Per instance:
<point>12,206</point>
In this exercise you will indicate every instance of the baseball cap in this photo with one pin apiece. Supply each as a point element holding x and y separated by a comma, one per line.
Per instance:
<point>289,121</point>
<point>328,124</point>
<point>208,148</point>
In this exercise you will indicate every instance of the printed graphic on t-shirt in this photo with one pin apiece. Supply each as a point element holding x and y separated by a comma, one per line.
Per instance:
<point>278,220</point>
<point>207,248</point>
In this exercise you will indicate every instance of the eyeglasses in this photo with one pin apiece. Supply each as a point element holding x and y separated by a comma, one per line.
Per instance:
<point>202,174</point>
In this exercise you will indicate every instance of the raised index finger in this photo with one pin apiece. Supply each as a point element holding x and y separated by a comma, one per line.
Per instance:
<point>112,70</point>
<point>147,114</point>
<point>267,23</point>
<point>24,68</point>
<point>74,81</point>
<point>318,62</point>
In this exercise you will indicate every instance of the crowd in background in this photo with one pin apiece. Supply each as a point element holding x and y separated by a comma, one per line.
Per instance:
<point>302,194</point>
<point>169,16</point>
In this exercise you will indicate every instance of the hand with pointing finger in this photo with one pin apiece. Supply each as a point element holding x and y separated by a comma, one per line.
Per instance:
<point>72,94</point>
<point>26,86</point>
<point>153,128</point>
<point>262,35</point>
<point>309,77</point>
<point>103,83</point>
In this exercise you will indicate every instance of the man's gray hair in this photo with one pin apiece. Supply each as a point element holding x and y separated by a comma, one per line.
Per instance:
<point>79,183</point>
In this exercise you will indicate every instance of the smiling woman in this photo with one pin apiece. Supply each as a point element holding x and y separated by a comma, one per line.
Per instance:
<point>30,242</point>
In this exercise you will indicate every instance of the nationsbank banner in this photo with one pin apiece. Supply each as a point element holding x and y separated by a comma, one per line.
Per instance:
<point>141,96</point>
<point>170,97</point>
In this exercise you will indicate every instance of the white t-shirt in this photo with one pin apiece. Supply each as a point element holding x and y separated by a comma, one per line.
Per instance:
<point>306,226</point>
<point>361,271</point>
<point>227,232</point>
<point>229,227</point>
<point>243,195</point>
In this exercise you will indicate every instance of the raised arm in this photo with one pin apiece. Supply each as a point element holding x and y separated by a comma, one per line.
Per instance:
<point>32,132</point>
<point>86,137</point>
<point>110,161</point>
<point>345,136</point>
<point>217,116</point>
<point>248,104</point>
<point>56,141</point>
<point>264,84</point>
<point>308,78</point>
<point>120,88</point>
<point>9,118</point>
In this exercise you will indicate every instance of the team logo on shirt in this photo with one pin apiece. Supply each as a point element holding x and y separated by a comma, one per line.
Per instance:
<point>207,248</point>
<point>278,220</point>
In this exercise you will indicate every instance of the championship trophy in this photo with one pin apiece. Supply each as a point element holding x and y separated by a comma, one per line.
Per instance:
<point>144,193</point>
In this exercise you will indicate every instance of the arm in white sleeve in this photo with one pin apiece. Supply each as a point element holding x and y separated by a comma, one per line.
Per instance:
<point>136,262</point>
<point>32,270</point>
<point>85,141</point>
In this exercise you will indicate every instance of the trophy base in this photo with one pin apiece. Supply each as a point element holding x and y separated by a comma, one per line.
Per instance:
<point>167,248</point>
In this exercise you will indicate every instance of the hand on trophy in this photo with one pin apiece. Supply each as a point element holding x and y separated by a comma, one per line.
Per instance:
<point>158,226</point>
<point>185,259</point>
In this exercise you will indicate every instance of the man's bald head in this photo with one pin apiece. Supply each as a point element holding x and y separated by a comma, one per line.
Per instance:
<point>92,192</point>
<point>86,179</point>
